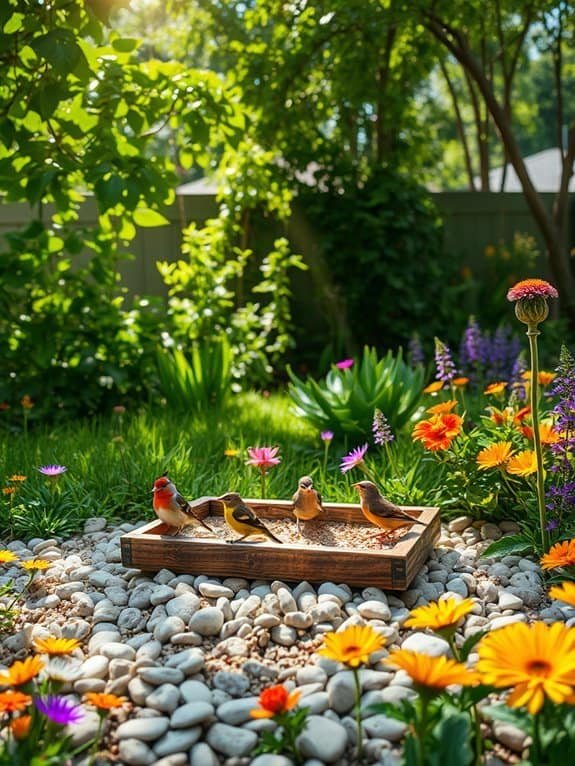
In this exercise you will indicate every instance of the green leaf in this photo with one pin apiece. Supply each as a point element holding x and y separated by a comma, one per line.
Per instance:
<point>146,217</point>
<point>452,748</point>
<point>60,49</point>
<point>14,24</point>
<point>516,717</point>
<point>507,546</point>
<point>124,44</point>
<point>470,643</point>
<point>109,191</point>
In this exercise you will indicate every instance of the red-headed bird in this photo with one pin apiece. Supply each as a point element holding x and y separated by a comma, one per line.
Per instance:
<point>172,508</point>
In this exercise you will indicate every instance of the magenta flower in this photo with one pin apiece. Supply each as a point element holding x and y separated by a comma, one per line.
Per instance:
<point>52,470</point>
<point>531,288</point>
<point>345,364</point>
<point>263,457</point>
<point>326,436</point>
<point>59,709</point>
<point>353,459</point>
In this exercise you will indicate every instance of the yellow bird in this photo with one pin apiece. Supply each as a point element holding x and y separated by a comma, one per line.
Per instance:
<point>242,519</point>
<point>381,511</point>
<point>306,501</point>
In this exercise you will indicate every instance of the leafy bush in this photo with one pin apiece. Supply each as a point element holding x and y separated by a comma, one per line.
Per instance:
<point>346,400</point>
<point>382,241</point>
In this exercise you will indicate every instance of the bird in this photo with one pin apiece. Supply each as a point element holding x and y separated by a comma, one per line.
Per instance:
<point>381,511</point>
<point>306,501</point>
<point>172,508</point>
<point>242,519</point>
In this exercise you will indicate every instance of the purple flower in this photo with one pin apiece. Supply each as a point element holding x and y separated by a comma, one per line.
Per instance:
<point>52,470</point>
<point>415,353</point>
<point>444,362</point>
<point>471,349</point>
<point>59,709</point>
<point>353,459</point>
<point>561,493</point>
<point>382,433</point>
<point>345,364</point>
<point>326,436</point>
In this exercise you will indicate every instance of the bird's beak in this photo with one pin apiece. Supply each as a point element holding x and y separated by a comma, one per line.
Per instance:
<point>152,491</point>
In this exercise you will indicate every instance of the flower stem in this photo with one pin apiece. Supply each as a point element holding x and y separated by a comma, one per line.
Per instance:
<point>358,714</point>
<point>532,333</point>
<point>262,483</point>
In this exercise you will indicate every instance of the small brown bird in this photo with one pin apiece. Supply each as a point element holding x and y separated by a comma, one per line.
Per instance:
<point>306,501</point>
<point>381,511</point>
<point>242,519</point>
<point>172,508</point>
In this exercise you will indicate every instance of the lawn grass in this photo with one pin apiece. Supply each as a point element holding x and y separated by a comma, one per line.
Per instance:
<point>112,463</point>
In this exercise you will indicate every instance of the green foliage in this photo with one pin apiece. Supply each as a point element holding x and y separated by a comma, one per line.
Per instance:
<point>290,724</point>
<point>79,114</point>
<point>198,383</point>
<point>382,240</point>
<point>346,400</point>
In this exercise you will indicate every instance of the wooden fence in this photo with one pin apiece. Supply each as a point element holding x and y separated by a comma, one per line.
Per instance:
<point>472,220</point>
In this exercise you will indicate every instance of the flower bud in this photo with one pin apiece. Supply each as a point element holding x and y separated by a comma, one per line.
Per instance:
<point>532,310</point>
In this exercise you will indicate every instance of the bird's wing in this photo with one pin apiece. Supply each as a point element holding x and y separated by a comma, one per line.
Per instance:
<point>295,499</point>
<point>186,508</point>
<point>319,500</point>
<point>389,510</point>
<point>245,515</point>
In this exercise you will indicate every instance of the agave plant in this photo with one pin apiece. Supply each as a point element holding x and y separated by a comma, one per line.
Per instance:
<point>346,400</point>
<point>199,382</point>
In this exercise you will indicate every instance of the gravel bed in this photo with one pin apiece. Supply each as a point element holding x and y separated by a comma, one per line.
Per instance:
<point>191,653</point>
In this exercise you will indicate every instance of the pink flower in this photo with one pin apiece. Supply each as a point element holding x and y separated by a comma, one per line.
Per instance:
<point>263,457</point>
<point>353,459</point>
<point>345,364</point>
<point>531,288</point>
<point>326,436</point>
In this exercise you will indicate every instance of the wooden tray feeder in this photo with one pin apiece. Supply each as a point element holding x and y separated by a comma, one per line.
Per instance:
<point>393,567</point>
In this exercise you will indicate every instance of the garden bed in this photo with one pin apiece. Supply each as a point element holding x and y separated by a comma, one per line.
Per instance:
<point>350,555</point>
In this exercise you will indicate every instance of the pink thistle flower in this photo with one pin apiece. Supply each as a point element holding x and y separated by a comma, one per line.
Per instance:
<point>353,459</point>
<point>326,436</point>
<point>52,470</point>
<point>531,288</point>
<point>345,364</point>
<point>263,457</point>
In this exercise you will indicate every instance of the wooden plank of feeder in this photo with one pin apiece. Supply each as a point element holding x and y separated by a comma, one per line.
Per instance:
<point>150,548</point>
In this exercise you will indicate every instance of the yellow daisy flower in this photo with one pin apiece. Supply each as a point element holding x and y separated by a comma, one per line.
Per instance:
<point>6,557</point>
<point>432,672</point>
<point>523,463</point>
<point>437,409</point>
<point>36,565</point>
<point>434,387</point>
<point>463,381</point>
<point>352,646</point>
<point>17,477</point>
<point>56,646</point>
<point>495,388</point>
<point>8,490</point>
<point>494,456</point>
<point>564,592</point>
<point>537,661</point>
<point>440,616</point>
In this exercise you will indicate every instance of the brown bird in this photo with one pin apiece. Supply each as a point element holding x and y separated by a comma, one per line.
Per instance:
<point>381,511</point>
<point>172,508</point>
<point>242,519</point>
<point>306,501</point>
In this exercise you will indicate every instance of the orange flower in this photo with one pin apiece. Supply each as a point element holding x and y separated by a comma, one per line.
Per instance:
<point>438,409</point>
<point>547,433</point>
<point>104,701</point>
<point>26,402</point>
<point>434,387</point>
<point>20,726</point>
<point>500,417</point>
<point>521,414</point>
<point>495,388</point>
<point>545,378</point>
<point>494,456</point>
<point>460,381</point>
<point>523,463</point>
<point>560,555</point>
<point>20,672</point>
<point>12,702</point>
<point>17,477</point>
<point>438,432</point>
<point>275,701</point>
<point>8,490</point>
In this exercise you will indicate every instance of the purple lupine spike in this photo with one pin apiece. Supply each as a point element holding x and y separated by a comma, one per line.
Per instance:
<point>470,349</point>
<point>444,364</point>
<point>561,493</point>
<point>382,433</point>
